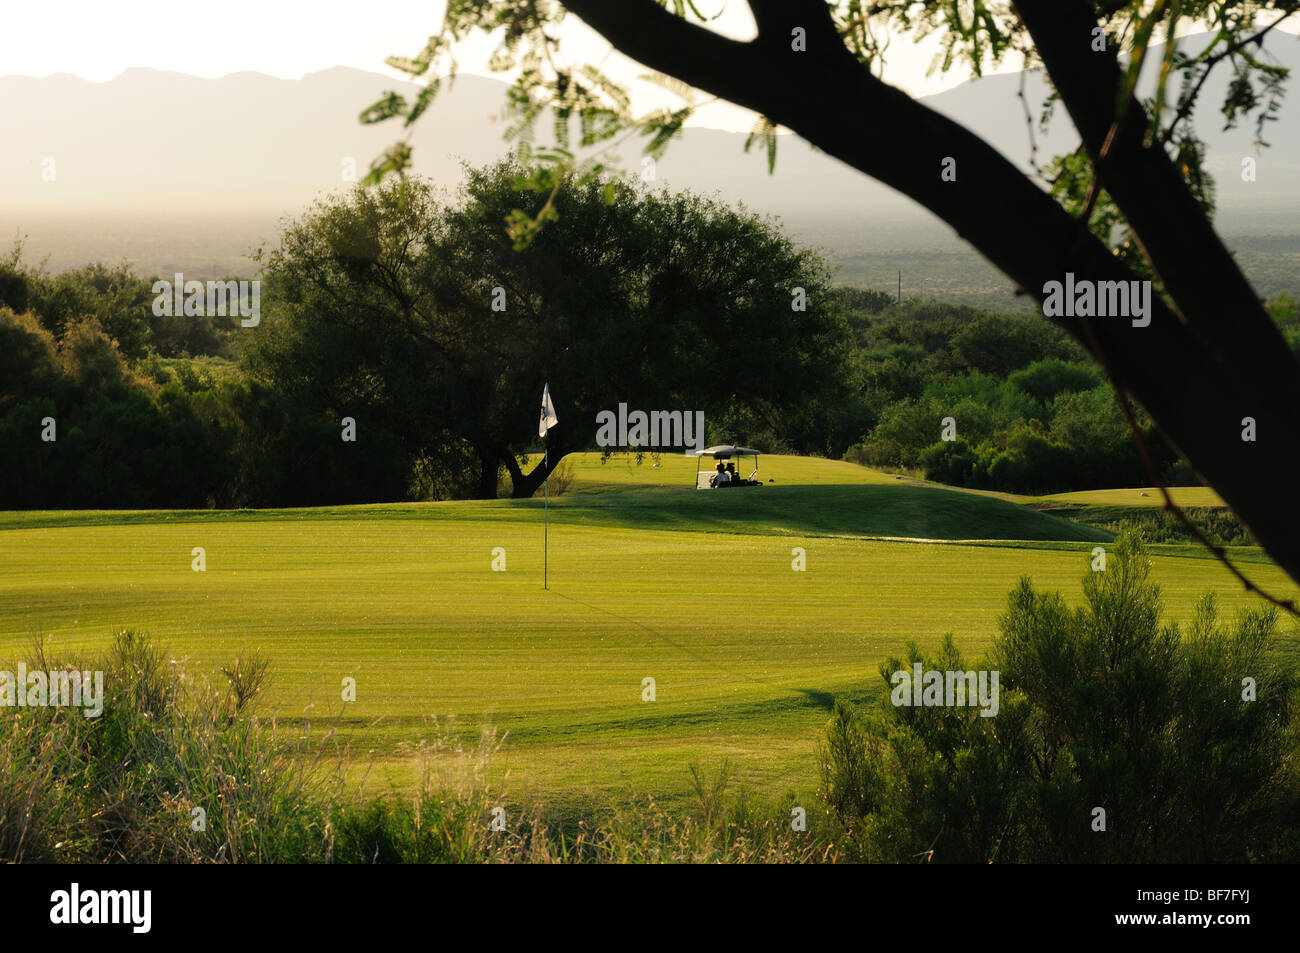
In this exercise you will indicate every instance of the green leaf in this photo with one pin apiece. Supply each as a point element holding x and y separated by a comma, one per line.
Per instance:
<point>622,104</point>
<point>672,84</point>
<point>404,64</point>
<point>1141,40</point>
<point>389,106</point>
<point>765,130</point>
<point>422,101</point>
<point>393,162</point>
<point>662,127</point>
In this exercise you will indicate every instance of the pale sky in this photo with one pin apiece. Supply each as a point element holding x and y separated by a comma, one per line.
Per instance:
<point>97,40</point>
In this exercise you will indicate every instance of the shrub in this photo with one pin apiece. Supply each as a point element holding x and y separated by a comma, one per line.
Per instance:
<point>124,786</point>
<point>1045,380</point>
<point>905,428</point>
<point>951,462</point>
<point>28,357</point>
<point>1030,463</point>
<point>1102,706</point>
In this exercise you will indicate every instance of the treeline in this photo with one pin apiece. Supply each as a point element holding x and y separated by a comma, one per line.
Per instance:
<point>118,302</point>
<point>84,426</point>
<point>1030,411</point>
<point>402,346</point>
<point>105,404</point>
<point>426,331</point>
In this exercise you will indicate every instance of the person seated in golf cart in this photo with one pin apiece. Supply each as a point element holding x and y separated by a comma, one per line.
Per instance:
<point>725,471</point>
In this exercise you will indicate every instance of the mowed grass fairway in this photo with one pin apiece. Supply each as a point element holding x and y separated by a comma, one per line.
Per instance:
<point>649,578</point>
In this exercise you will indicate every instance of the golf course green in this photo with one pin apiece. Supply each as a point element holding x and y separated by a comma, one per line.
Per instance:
<point>649,579</point>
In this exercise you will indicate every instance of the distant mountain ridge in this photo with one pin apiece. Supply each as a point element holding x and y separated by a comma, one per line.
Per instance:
<point>169,149</point>
<point>252,142</point>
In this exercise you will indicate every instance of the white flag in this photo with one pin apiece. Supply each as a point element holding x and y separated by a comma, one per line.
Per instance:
<point>548,418</point>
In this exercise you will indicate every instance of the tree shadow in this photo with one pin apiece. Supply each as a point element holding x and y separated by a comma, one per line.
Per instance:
<point>820,699</point>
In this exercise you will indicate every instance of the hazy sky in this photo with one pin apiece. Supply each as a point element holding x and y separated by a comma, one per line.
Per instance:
<point>97,40</point>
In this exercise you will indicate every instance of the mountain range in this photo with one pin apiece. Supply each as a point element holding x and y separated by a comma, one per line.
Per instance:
<point>169,170</point>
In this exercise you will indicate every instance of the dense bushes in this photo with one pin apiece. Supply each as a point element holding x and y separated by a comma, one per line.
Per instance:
<point>1030,408</point>
<point>185,433</point>
<point>179,770</point>
<point>1220,526</point>
<point>79,427</point>
<point>121,303</point>
<point>1032,433</point>
<point>1101,706</point>
<point>1033,412</point>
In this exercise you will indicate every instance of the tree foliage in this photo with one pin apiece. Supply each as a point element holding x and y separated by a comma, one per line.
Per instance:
<point>423,318</point>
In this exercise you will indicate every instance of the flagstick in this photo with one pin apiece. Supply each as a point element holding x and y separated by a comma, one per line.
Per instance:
<point>546,537</point>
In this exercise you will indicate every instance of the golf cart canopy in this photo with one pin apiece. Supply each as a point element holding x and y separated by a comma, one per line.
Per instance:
<point>723,453</point>
<point>704,479</point>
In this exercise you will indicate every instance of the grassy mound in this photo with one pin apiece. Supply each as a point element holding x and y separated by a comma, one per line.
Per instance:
<point>865,510</point>
<point>811,497</point>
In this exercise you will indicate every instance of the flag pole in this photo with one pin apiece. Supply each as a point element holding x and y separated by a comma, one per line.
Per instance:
<point>546,537</point>
<point>544,424</point>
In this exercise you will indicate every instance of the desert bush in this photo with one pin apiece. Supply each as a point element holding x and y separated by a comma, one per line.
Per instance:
<point>1105,705</point>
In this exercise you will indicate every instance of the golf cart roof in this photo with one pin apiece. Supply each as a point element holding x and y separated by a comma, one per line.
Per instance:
<point>726,451</point>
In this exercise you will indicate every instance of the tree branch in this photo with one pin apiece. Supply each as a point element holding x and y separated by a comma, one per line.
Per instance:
<point>1185,110</point>
<point>1173,230</point>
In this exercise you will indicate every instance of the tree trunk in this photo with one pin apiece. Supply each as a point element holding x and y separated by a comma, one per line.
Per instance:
<point>490,464</point>
<point>524,485</point>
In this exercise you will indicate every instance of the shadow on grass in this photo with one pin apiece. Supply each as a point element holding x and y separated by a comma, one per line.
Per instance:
<point>823,700</point>
<point>843,510</point>
<point>826,510</point>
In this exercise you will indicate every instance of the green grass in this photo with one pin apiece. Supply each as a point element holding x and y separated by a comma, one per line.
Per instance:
<point>692,588</point>
<point>1141,496</point>
<point>678,471</point>
<point>845,510</point>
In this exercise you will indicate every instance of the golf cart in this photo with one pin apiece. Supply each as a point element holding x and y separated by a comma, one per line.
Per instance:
<point>708,479</point>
